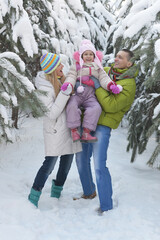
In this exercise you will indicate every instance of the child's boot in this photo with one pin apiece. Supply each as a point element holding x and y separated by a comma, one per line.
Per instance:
<point>75,135</point>
<point>34,197</point>
<point>86,136</point>
<point>56,190</point>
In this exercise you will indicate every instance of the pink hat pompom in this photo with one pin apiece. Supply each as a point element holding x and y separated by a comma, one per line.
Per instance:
<point>99,55</point>
<point>76,56</point>
<point>80,89</point>
<point>86,41</point>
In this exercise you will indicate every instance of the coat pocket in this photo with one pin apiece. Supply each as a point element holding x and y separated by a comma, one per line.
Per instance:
<point>49,126</point>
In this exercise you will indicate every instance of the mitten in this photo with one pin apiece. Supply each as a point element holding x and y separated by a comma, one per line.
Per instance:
<point>115,89</point>
<point>120,88</point>
<point>66,88</point>
<point>96,82</point>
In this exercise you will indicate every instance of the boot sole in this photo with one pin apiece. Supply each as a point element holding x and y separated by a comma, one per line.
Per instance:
<point>76,140</point>
<point>88,141</point>
<point>93,195</point>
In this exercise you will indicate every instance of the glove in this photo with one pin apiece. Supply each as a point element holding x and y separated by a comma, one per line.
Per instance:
<point>96,82</point>
<point>66,88</point>
<point>115,89</point>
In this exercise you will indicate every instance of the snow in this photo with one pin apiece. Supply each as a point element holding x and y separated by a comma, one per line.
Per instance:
<point>156,111</point>
<point>89,3</point>
<point>3,9</point>
<point>5,96</point>
<point>14,57</point>
<point>142,16</point>
<point>157,49</point>
<point>3,113</point>
<point>26,35</point>
<point>24,80</point>
<point>135,187</point>
<point>146,17</point>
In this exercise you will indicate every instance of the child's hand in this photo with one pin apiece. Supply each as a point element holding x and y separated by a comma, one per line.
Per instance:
<point>66,88</point>
<point>116,89</point>
<point>120,87</point>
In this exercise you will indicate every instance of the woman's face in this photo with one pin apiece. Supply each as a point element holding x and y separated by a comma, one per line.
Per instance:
<point>59,70</point>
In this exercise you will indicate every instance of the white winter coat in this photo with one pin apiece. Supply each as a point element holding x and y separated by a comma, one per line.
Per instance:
<point>57,136</point>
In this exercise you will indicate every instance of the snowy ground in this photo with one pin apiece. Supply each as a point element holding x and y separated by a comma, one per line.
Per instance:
<point>136,188</point>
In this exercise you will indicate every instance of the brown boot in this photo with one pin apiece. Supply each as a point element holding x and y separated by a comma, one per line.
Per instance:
<point>93,195</point>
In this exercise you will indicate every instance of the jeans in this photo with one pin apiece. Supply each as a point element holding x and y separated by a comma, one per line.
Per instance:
<point>84,169</point>
<point>103,178</point>
<point>47,168</point>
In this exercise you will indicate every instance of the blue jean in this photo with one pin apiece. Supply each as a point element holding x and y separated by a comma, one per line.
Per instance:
<point>47,168</point>
<point>103,178</point>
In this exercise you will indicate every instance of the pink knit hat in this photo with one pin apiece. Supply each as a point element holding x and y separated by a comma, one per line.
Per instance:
<point>87,45</point>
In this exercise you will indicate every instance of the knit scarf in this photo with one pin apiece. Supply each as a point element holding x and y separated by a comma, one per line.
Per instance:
<point>115,74</point>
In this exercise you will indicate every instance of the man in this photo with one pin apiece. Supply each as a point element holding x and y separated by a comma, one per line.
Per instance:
<point>114,106</point>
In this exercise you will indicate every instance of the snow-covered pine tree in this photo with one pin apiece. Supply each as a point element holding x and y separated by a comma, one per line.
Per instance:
<point>98,19</point>
<point>42,25</point>
<point>138,28</point>
<point>16,91</point>
<point>28,28</point>
<point>60,26</point>
<point>17,32</point>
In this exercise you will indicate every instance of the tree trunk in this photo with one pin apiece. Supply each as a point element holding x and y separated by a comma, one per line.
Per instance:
<point>15,117</point>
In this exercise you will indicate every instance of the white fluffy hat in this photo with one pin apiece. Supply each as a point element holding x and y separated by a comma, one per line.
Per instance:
<point>87,45</point>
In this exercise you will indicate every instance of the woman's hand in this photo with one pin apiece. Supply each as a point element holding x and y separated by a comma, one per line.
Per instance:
<point>66,88</point>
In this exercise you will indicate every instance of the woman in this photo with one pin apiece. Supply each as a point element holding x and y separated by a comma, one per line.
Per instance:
<point>57,137</point>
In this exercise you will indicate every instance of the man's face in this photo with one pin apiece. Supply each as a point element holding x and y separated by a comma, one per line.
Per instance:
<point>121,60</point>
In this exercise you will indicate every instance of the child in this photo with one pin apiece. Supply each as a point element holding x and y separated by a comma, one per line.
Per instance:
<point>88,63</point>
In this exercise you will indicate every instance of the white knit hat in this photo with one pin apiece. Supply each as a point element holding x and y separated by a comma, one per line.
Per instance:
<point>87,45</point>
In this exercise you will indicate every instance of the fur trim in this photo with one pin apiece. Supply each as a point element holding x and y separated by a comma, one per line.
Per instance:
<point>76,56</point>
<point>99,55</point>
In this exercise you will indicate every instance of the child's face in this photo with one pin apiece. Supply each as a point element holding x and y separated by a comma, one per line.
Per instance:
<point>88,56</point>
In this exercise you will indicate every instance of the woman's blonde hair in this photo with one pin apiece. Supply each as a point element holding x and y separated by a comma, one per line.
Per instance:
<point>56,83</point>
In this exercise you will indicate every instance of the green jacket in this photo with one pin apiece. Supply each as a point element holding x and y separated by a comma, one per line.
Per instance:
<point>114,106</point>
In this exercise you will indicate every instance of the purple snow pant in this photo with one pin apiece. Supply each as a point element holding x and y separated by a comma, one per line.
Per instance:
<point>92,109</point>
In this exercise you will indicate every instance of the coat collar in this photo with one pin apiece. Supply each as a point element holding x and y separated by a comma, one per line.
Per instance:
<point>41,80</point>
<point>117,73</point>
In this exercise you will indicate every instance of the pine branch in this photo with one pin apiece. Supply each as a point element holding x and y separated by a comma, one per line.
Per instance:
<point>154,156</point>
